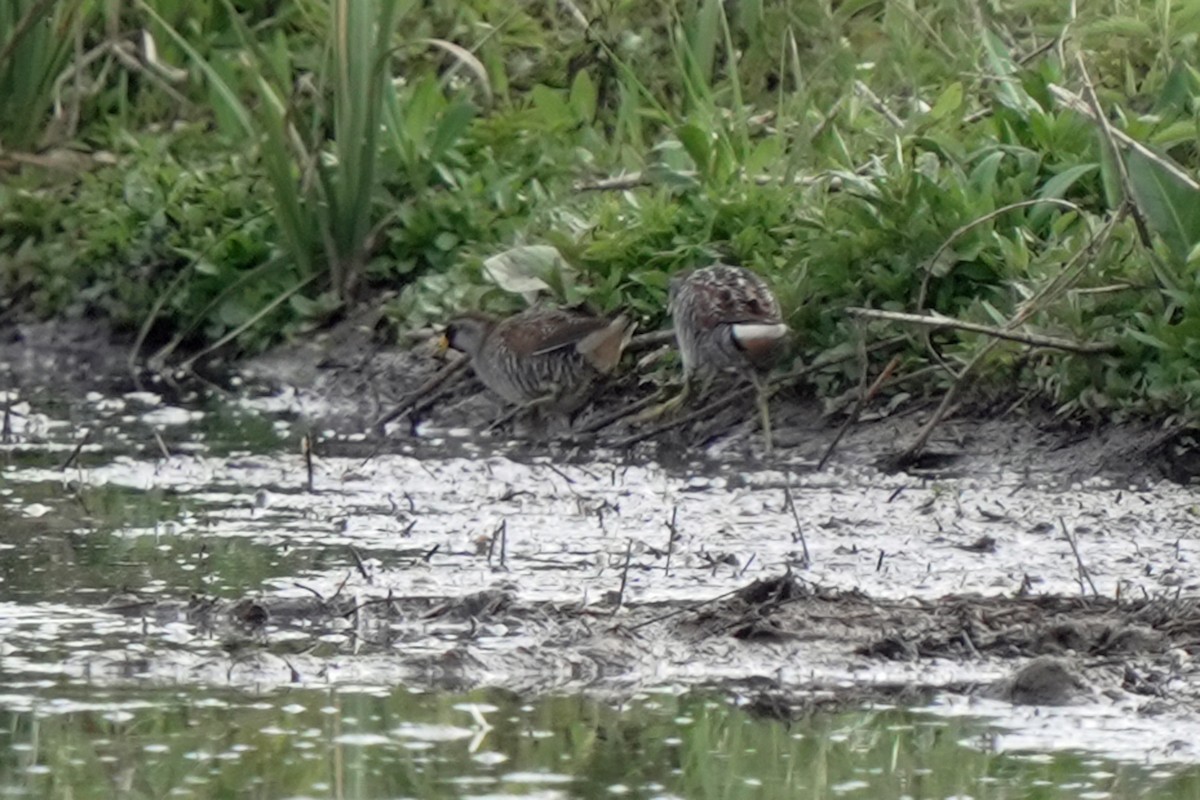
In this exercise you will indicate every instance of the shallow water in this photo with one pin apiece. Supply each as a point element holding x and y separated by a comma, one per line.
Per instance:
<point>152,702</point>
<point>364,742</point>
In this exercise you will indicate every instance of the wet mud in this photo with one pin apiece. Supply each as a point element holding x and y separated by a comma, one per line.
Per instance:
<point>1023,563</point>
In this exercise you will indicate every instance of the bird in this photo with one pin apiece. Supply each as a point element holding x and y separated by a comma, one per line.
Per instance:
<point>726,319</point>
<point>543,358</point>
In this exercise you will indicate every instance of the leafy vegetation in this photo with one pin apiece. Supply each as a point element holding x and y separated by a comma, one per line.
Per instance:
<point>219,171</point>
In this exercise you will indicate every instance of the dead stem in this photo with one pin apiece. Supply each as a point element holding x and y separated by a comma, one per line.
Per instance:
<point>863,398</point>
<point>436,381</point>
<point>621,413</point>
<point>624,576</point>
<point>306,446</point>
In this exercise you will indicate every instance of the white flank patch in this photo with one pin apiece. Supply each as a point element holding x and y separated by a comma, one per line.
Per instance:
<point>751,332</point>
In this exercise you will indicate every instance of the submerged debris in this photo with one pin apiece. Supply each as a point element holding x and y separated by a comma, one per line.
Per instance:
<point>1045,681</point>
<point>800,633</point>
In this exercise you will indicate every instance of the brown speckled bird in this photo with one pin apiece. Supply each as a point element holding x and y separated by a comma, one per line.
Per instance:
<point>544,357</point>
<point>726,319</point>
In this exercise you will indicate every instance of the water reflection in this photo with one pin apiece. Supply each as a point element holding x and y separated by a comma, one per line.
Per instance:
<point>69,741</point>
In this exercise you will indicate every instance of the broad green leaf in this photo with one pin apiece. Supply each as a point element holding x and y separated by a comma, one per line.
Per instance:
<point>948,102</point>
<point>450,129</point>
<point>1177,132</point>
<point>766,155</point>
<point>528,270</point>
<point>1171,207</point>
<point>704,39</point>
<point>1110,173</point>
<point>750,17</point>
<point>1177,91</point>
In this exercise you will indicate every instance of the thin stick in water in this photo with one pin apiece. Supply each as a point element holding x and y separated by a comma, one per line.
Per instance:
<point>624,576</point>
<point>66,465</point>
<point>306,445</point>
<point>671,533</point>
<point>798,536</point>
<point>1084,575</point>
<point>503,542</point>
<point>358,562</point>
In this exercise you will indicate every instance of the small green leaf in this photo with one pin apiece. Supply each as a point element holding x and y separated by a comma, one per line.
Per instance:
<point>1146,338</point>
<point>983,177</point>
<point>583,96</point>
<point>1131,27</point>
<point>696,141</point>
<point>554,111</point>
<point>1055,189</point>
<point>1110,173</point>
<point>993,313</point>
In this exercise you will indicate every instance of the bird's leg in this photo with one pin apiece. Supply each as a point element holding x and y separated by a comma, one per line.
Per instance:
<point>668,407</point>
<point>764,410</point>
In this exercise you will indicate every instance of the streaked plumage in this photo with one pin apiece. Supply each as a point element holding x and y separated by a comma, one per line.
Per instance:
<point>542,356</point>
<point>725,318</point>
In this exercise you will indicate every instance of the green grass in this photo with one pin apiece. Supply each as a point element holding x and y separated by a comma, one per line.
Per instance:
<point>442,155</point>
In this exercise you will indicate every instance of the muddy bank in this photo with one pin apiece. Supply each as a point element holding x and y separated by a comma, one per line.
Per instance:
<point>346,380</point>
<point>343,381</point>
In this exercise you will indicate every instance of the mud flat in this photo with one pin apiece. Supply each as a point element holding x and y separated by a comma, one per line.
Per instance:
<point>1038,575</point>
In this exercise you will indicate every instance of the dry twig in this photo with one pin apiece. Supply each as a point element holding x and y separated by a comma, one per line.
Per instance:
<point>1076,103</point>
<point>935,320</point>
<point>1068,274</point>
